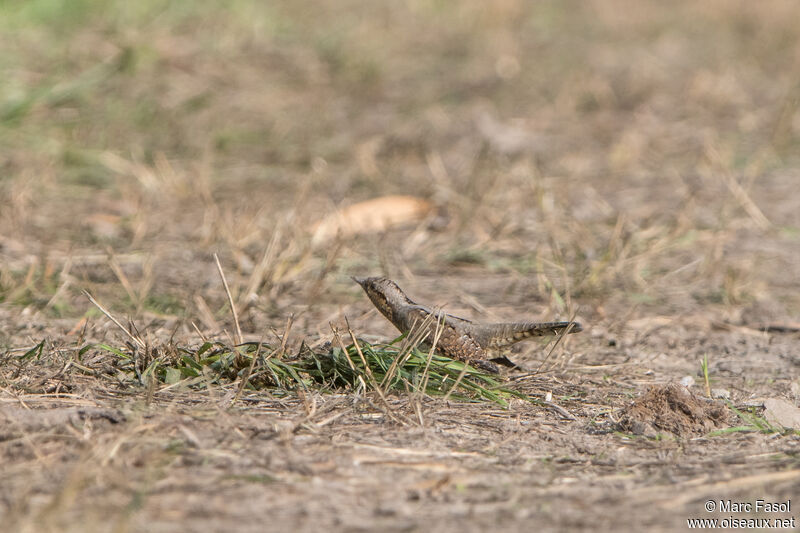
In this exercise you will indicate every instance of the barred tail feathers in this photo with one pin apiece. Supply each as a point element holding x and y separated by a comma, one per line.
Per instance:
<point>506,334</point>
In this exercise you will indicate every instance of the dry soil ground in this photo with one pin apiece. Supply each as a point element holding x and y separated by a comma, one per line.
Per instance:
<point>634,164</point>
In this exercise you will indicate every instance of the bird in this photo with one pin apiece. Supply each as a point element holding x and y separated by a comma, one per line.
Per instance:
<point>459,338</point>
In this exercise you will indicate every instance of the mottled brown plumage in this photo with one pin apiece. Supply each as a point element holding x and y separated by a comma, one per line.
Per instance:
<point>460,338</point>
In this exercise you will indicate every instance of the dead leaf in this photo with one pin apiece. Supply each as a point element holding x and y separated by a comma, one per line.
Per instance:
<point>78,327</point>
<point>371,216</point>
<point>104,225</point>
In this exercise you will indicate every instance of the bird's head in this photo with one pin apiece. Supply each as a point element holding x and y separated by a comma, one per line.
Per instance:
<point>384,293</point>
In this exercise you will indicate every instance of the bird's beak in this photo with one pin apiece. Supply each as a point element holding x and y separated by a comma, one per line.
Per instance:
<point>360,281</point>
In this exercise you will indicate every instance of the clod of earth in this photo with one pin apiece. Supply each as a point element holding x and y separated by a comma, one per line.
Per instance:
<point>674,409</point>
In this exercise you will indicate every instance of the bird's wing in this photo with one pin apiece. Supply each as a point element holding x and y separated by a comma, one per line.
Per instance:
<point>452,319</point>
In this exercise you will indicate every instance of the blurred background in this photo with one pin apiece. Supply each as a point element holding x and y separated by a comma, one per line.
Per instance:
<point>613,158</point>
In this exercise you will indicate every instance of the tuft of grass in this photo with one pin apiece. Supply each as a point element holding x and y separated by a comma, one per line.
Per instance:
<point>360,367</point>
<point>388,367</point>
<point>706,378</point>
<point>209,363</point>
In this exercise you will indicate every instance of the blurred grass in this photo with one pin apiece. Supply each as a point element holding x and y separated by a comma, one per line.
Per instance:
<point>363,368</point>
<point>648,133</point>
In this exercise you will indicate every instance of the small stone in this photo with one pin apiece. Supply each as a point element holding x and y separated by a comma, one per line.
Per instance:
<point>687,381</point>
<point>723,394</point>
<point>781,413</point>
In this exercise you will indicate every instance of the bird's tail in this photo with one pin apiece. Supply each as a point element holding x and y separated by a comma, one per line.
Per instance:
<point>503,335</point>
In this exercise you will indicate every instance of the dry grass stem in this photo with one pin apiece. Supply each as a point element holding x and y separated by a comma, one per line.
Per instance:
<point>239,337</point>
